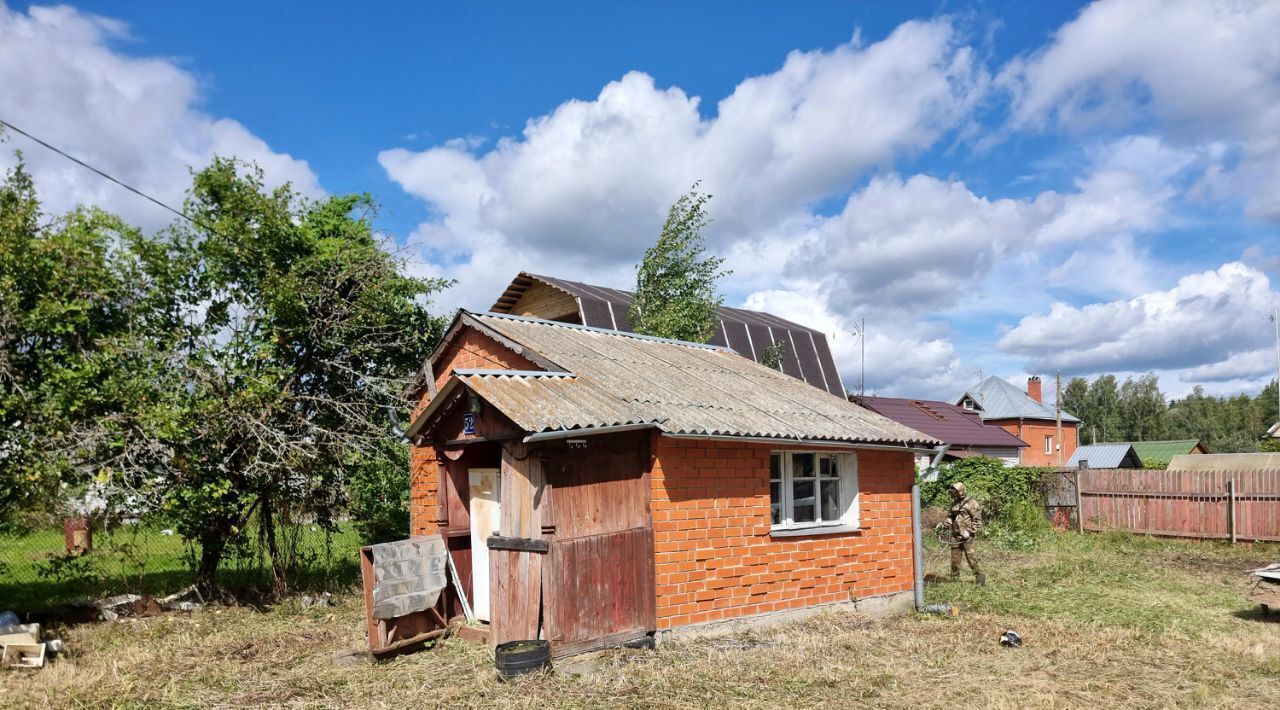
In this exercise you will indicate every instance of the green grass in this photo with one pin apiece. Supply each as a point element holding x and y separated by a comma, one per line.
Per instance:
<point>141,560</point>
<point>1108,621</point>
<point>1147,585</point>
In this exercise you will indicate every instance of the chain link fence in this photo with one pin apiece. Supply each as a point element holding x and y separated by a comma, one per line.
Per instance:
<point>52,566</point>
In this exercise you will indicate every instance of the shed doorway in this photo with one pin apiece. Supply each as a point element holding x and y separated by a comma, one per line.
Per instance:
<point>486,513</point>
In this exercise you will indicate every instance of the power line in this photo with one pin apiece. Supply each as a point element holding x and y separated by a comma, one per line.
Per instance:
<point>121,183</point>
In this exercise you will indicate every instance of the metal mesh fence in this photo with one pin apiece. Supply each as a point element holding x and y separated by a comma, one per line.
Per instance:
<point>52,566</point>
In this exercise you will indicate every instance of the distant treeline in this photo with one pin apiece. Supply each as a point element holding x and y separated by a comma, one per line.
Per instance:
<point>1137,410</point>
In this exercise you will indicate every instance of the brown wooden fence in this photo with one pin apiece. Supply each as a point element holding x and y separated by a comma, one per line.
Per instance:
<point>1234,505</point>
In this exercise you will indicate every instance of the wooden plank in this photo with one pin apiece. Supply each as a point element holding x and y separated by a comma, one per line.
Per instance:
<point>522,544</point>
<point>614,639</point>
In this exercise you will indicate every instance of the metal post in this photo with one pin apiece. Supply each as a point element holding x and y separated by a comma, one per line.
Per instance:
<point>1231,509</point>
<point>917,547</point>
<point>1275,318</point>
<point>1057,413</point>
<point>1079,508</point>
<point>862,338</point>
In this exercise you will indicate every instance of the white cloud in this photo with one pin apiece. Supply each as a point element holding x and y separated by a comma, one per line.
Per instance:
<point>582,191</point>
<point>925,243</point>
<point>1247,365</point>
<point>1114,268</point>
<point>913,359</point>
<point>1206,71</point>
<point>1206,318</point>
<point>911,244</point>
<point>134,117</point>
<point>585,188</point>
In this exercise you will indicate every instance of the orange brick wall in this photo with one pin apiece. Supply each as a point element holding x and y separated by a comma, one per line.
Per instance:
<point>424,483</point>
<point>470,349</point>
<point>1034,432</point>
<point>715,558</point>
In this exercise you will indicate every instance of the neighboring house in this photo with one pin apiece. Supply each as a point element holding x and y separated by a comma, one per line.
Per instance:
<point>1024,415</point>
<point>1106,456</point>
<point>749,333</point>
<point>961,428</point>
<point>1159,453</point>
<point>596,486</point>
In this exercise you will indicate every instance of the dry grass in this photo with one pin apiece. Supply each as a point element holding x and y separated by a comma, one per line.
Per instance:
<point>1106,621</point>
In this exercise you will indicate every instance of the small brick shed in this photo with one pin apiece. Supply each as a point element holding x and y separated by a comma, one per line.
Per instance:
<point>597,486</point>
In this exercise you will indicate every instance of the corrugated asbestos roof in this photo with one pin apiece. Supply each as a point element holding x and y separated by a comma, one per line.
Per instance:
<point>807,355</point>
<point>998,399</point>
<point>945,421</point>
<point>1105,456</point>
<point>680,388</point>
<point>1226,462</point>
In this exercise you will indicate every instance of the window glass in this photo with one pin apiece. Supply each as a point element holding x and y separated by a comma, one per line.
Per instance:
<point>802,465</point>
<point>775,487</point>
<point>809,488</point>
<point>830,500</point>
<point>827,467</point>
<point>803,502</point>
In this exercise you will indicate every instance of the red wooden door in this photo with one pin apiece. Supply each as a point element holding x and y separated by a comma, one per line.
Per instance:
<point>599,590</point>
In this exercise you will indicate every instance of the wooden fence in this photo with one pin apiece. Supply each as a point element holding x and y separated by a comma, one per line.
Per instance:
<point>1232,505</point>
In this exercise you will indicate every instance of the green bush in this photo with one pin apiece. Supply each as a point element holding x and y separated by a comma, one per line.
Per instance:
<point>1012,507</point>
<point>379,496</point>
<point>1020,527</point>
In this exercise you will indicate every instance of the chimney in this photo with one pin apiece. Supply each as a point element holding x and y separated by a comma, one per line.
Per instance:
<point>1033,387</point>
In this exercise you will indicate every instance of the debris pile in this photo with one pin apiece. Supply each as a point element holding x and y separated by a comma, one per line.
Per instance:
<point>21,647</point>
<point>125,605</point>
<point>1266,587</point>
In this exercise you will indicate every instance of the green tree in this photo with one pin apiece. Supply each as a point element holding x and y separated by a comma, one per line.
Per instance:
<point>1104,397</point>
<point>237,372</point>
<point>73,295</point>
<point>676,282</point>
<point>308,330</point>
<point>1075,400</point>
<point>773,355</point>
<point>1143,409</point>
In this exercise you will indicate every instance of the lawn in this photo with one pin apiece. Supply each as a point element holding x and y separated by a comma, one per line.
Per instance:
<point>1109,620</point>
<point>141,559</point>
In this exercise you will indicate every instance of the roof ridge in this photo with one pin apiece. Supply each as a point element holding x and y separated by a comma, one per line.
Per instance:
<point>605,331</point>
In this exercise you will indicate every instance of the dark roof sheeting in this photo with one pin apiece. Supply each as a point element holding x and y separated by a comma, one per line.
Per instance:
<point>680,388</point>
<point>750,333</point>
<point>941,420</point>
<point>999,399</point>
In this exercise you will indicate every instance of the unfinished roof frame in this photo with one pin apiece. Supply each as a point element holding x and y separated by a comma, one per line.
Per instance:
<point>749,333</point>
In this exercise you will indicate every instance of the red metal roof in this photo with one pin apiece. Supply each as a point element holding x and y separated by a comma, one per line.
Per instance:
<point>941,420</point>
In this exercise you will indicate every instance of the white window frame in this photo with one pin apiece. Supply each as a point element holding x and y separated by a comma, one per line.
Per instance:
<point>850,496</point>
<point>1048,443</point>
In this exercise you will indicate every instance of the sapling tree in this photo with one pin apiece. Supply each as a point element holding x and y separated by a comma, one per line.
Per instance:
<point>677,291</point>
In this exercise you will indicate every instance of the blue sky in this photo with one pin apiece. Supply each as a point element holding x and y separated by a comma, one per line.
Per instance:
<point>1014,188</point>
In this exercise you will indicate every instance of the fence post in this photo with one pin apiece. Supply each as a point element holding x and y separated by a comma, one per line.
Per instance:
<point>1231,508</point>
<point>1079,508</point>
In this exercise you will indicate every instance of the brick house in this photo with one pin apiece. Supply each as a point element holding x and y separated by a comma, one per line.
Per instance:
<point>1027,417</point>
<point>596,486</point>
<point>962,429</point>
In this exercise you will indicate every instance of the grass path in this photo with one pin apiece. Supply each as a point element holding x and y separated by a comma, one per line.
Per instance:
<point>1108,621</point>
